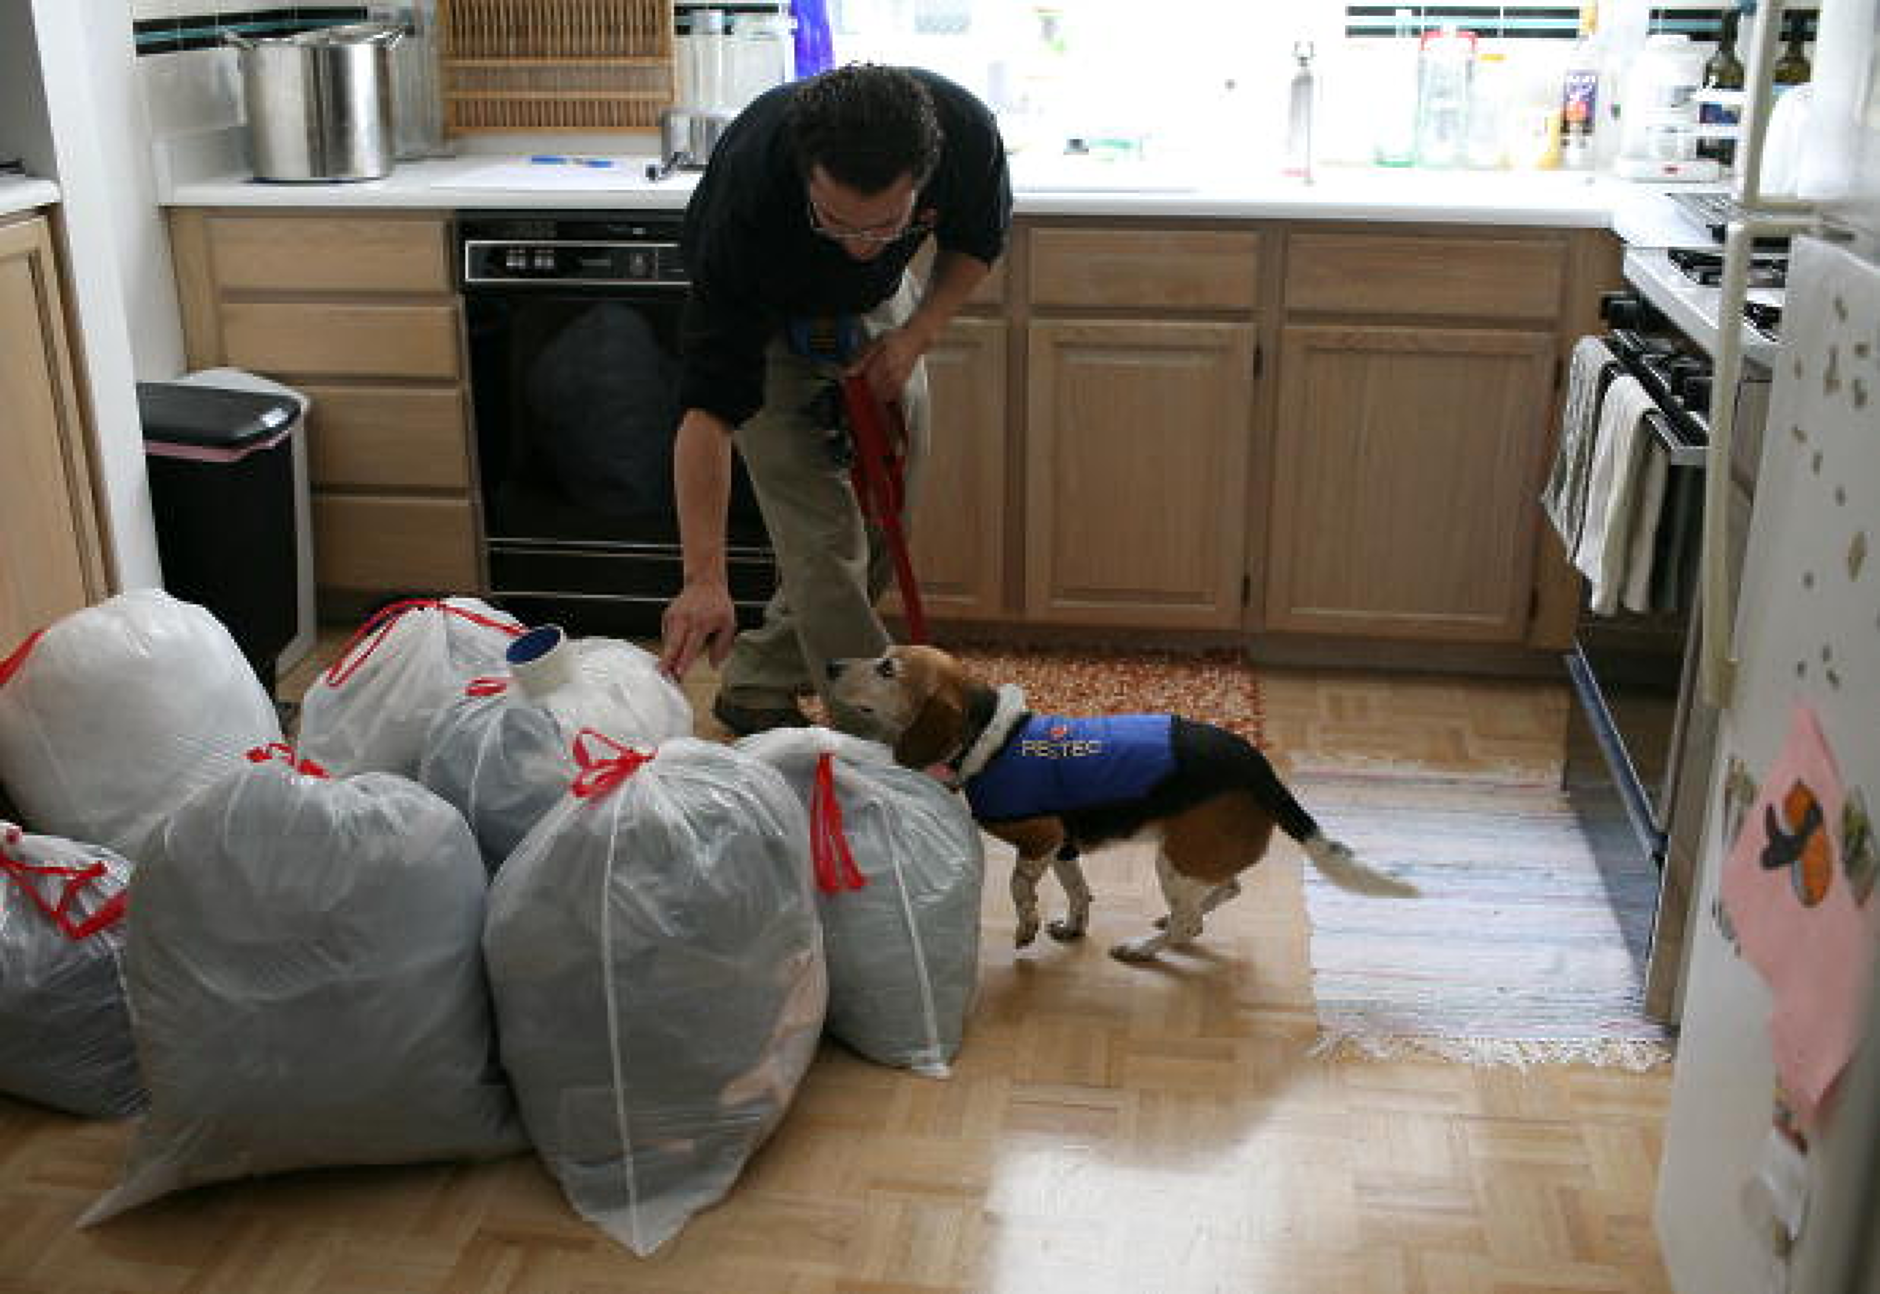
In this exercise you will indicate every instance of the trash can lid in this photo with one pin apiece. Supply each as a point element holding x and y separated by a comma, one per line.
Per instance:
<point>211,417</point>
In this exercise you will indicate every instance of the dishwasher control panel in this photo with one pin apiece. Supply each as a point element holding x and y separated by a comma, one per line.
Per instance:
<point>570,251</point>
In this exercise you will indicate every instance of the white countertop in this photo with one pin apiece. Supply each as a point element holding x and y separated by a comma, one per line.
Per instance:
<point>1043,186</point>
<point>23,193</point>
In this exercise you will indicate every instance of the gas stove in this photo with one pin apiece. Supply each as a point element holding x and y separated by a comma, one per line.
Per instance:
<point>1766,269</point>
<point>1682,285</point>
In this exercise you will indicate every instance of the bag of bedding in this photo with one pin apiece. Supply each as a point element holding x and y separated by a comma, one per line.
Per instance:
<point>368,711</point>
<point>112,716</point>
<point>500,752</point>
<point>305,984</point>
<point>898,864</point>
<point>65,1037</point>
<point>659,980</point>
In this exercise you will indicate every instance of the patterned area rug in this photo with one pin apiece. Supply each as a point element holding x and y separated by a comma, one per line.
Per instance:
<point>1218,686</point>
<point>1521,950</point>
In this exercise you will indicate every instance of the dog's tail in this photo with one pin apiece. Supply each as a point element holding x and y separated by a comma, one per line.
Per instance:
<point>1334,860</point>
<point>1337,864</point>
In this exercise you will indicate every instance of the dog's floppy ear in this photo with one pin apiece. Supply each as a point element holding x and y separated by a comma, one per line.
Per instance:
<point>933,735</point>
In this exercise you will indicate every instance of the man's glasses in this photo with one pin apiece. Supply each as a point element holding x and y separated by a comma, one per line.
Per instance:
<point>871,237</point>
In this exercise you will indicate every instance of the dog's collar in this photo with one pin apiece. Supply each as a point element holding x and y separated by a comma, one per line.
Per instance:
<point>1008,712</point>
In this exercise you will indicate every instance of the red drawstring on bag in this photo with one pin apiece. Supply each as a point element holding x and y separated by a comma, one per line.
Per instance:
<point>828,843</point>
<point>380,623</point>
<point>285,753</point>
<point>602,773</point>
<point>11,665</point>
<point>76,881</point>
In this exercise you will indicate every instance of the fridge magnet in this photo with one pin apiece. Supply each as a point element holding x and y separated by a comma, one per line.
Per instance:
<point>1860,854</point>
<point>1739,792</point>
<point>1797,915</point>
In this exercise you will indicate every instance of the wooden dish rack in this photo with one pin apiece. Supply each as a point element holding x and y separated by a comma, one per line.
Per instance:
<point>547,65</point>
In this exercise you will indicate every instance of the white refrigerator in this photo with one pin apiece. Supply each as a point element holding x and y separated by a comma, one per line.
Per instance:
<point>1806,633</point>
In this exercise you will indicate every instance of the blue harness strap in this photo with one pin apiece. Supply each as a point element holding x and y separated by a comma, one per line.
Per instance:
<point>825,339</point>
<point>1057,765</point>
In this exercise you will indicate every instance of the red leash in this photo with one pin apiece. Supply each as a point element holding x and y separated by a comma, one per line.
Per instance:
<point>880,486</point>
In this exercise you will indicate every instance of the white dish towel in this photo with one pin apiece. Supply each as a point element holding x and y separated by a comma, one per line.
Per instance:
<point>1612,491</point>
<point>1565,496</point>
<point>1642,547</point>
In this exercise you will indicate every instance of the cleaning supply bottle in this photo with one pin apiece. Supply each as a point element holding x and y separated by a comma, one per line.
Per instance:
<point>1579,93</point>
<point>814,50</point>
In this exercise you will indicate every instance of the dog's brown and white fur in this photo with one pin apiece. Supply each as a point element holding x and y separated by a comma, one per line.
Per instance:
<point>1214,815</point>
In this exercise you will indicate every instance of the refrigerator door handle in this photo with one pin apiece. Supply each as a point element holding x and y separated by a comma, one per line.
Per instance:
<point>1762,217</point>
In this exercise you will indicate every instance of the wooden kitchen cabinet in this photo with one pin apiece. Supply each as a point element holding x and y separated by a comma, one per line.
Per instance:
<point>1138,408</point>
<point>959,518</point>
<point>53,561</point>
<point>1136,441</point>
<point>1406,462</point>
<point>358,312</point>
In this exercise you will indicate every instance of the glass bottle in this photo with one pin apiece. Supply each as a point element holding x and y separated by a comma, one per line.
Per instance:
<point>1722,71</point>
<point>1793,67</point>
<point>1299,117</point>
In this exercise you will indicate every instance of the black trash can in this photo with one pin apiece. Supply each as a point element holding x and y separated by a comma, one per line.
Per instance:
<point>221,466</point>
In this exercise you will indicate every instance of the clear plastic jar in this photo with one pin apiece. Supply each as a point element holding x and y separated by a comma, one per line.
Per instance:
<point>1445,66</point>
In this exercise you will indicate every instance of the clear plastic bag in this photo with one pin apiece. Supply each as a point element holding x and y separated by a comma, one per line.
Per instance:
<point>500,752</point>
<point>65,1036</point>
<point>659,979</point>
<point>305,984</point>
<point>369,711</point>
<point>899,865</point>
<point>112,716</point>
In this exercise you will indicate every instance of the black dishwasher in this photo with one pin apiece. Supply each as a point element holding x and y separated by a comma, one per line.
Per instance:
<point>573,322</point>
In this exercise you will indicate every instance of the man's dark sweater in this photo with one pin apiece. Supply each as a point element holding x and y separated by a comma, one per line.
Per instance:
<point>754,260</point>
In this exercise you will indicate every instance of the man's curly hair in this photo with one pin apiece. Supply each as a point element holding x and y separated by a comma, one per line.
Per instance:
<point>866,125</point>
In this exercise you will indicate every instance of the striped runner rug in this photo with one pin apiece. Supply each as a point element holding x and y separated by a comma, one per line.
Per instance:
<point>1521,950</point>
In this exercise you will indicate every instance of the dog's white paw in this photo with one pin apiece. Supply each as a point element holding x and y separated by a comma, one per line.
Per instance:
<point>1064,930</point>
<point>1139,950</point>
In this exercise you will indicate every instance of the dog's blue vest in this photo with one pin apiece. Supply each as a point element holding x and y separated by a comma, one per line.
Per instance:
<point>1058,765</point>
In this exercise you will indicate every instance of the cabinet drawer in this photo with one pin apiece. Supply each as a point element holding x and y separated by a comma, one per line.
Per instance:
<point>394,545</point>
<point>388,437</point>
<point>342,340</point>
<point>1476,278</point>
<point>1186,270</point>
<point>329,254</point>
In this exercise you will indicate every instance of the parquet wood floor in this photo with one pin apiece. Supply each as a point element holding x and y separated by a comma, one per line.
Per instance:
<point>1109,1130</point>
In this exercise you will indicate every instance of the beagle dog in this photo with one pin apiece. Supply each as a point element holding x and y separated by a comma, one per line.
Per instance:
<point>1055,787</point>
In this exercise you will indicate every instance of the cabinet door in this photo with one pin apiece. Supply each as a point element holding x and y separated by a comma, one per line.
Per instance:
<point>51,561</point>
<point>959,517</point>
<point>1405,470</point>
<point>1135,472</point>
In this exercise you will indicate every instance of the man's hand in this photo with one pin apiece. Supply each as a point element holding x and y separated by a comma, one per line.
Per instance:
<point>889,360</point>
<point>700,619</point>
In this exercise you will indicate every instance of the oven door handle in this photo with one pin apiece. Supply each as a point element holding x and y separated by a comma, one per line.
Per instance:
<point>1679,451</point>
